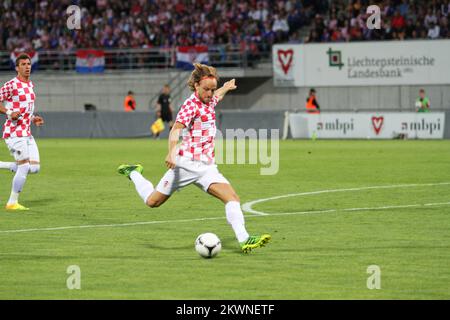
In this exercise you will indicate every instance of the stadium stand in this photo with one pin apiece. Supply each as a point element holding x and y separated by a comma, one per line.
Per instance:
<point>40,25</point>
<point>144,34</point>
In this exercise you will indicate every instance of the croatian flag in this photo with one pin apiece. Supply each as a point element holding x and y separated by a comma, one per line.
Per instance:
<point>33,55</point>
<point>188,55</point>
<point>90,61</point>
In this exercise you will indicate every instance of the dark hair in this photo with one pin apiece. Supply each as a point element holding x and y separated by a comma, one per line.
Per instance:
<point>22,56</point>
<point>201,71</point>
<point>130,92</point>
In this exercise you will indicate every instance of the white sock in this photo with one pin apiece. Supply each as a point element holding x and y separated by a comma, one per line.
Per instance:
<point>8,165</point>
<point>18,182</point>
<point>143,186</point>
<point>235,218</point>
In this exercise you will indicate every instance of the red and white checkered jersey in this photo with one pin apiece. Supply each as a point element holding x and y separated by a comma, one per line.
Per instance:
<point>200,121</point>
<point>18,96</point>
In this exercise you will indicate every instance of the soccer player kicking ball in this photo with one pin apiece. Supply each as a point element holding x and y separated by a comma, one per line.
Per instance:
<point>18,98</point>
<point>193,160</point>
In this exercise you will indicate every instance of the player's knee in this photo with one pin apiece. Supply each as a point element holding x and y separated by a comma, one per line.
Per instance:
<point>235,197</point>
<point>153,203</point>
<point>35,168</point>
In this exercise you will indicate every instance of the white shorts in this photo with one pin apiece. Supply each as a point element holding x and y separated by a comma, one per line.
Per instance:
<point>187,172</point>
<point>23,148</point>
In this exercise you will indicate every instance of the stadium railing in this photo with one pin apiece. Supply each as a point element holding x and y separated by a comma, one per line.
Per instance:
<point>153,58</point>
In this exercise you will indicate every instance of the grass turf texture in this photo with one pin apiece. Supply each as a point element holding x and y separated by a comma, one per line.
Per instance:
<point>312,256</point>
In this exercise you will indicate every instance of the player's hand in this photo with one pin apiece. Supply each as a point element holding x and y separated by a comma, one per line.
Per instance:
<point>230,85</point>
<point>38,121</point>
<point>170,161</point>
<point>15,116</point>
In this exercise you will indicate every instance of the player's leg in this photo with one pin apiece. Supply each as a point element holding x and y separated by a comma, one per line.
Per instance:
<point>225,192</point>
<point>235,217</point>
<point>144,187</point>
<point>156,199</point>
<point>19,149</point>
<point>172,180</point>
<point>35,164</point>
<point>218,186</point>
<point>146,191</point>
<point>11,166</point>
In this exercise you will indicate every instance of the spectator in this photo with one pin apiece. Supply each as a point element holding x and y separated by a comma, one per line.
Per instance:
<point>445,8</point>
<point>409,28</point>
<point>429,19</point>
<point>280,24</point>
<point>422,103</point>
<point>312,107</point>
<point>129,103</point>
<point>433,31</point>
<point>444,30</point>
<point>403,8</point>
<point>398,22</point>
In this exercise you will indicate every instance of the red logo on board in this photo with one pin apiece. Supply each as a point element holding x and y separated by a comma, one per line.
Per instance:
<point>377,123</point>
<point>285,57</point>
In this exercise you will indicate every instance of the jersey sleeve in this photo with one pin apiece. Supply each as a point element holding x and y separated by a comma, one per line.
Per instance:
<point>6,91</point>
<point>186,113</point>
<point>214,101</point>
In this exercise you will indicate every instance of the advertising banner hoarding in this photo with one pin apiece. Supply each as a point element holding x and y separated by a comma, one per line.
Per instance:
<point>367,125</point>
<point>362,64</point>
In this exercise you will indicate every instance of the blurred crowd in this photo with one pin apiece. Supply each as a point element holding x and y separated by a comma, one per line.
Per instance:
<point>400,20</point>
<point>252,24</point>
<point>41,24</point>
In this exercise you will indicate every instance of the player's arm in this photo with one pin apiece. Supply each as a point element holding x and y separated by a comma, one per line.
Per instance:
<point>38,120</point>
<point>130,104</point>
<point>5,94</point>
<point>227,86</point>
<point>158,110</point>
<point>316,104</point>
<point>173,141</point>
<point>13,115</point>
<point>158,105</point>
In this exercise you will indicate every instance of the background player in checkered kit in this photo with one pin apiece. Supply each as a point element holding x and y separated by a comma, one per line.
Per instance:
<point>193,160</point>
<point>17,102</point>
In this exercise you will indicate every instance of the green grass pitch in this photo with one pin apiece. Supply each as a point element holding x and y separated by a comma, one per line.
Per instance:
<point>320,251</point>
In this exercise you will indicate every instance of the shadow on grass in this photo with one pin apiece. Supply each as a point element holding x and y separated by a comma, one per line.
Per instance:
<point>229,243</point>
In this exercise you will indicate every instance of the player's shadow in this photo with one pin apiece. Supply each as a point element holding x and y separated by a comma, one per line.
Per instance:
<point>34,257</point>
<point>159,247</point>
<point>227,243</point>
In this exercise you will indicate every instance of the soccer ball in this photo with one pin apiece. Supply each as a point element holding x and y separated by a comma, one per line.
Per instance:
<point>208,245</point>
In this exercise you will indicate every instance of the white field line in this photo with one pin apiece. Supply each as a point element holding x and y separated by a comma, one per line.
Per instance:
<point>247,207</point>
<point>260,214</point>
